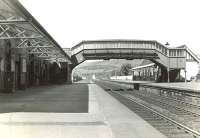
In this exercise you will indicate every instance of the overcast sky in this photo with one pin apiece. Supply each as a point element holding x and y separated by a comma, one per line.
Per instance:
<point>71,21</point>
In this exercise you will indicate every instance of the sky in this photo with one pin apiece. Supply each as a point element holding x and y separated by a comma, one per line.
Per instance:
<point>71,21</point>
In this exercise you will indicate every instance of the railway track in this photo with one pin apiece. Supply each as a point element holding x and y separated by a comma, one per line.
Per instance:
<point>193,109</point>
<point>187,112</point>
<point>166,125</point>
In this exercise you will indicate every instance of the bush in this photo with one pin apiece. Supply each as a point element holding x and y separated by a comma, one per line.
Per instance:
<point>125,69</point>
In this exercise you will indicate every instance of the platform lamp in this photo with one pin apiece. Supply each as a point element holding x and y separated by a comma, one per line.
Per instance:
<point>167,44</point>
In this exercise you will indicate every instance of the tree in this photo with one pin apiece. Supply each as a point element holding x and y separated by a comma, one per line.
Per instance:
<point>125,69</point>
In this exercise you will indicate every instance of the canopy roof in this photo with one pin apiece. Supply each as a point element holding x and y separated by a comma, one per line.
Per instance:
<point>17,23</point>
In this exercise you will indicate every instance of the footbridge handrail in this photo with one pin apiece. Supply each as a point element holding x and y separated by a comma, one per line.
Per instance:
<point>193,55</point>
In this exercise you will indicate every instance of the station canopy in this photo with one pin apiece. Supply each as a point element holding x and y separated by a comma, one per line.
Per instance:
<point>16,23</point>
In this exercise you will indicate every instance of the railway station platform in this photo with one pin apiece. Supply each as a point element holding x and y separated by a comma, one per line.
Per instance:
<point>181,86</point>
<point>189,86</point>
<point>130,81</point>
<point>106,117</point>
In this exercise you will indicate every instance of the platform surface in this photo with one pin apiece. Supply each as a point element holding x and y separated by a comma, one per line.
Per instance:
<point>189,86</point>
<point>130,81</point>
<point>106,118</point>
<point>56,98</point>
<point>90,124</point>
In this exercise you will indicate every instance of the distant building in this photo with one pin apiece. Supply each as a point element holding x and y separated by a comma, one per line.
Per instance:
<point>147,71</point>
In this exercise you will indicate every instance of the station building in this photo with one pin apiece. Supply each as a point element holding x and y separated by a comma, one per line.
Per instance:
<point>146,72</point>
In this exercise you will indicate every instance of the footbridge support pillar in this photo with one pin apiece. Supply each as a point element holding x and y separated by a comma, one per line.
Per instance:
<point>185,75</point>
<point>69,73</point>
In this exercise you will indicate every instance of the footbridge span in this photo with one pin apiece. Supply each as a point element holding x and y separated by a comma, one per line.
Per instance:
<point>171,60</point>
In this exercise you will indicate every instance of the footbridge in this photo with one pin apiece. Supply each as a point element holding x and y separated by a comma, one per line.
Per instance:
<point>171,60</point>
